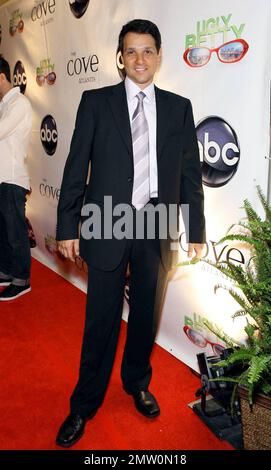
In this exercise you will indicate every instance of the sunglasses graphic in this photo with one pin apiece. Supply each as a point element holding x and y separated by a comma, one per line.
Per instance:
<point>19,27</point>
<point>198,339</point>
<point>228,53</point>
<point>50,79</point>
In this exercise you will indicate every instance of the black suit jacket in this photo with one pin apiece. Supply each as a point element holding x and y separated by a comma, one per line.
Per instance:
<point>102,136</point>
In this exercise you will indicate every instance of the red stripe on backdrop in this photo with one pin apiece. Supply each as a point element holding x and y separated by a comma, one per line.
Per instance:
<point>40,348</point>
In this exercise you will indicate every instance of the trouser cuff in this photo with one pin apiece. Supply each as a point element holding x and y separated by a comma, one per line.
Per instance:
<point>4,275</point>
<point>20,282</point>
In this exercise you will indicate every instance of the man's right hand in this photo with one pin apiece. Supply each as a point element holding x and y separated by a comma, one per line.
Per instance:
<point>69,248</point>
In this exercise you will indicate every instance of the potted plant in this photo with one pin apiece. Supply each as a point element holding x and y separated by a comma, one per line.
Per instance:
<point>252,291</point>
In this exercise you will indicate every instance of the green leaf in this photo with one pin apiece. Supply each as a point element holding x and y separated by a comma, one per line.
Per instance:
<point>225,379</point>
<point>188,263</point>
<point>250,329</point>
<point>257,367</point>
<point>266,388</point>
<point>230,342</point>
<point>242,238</point>
<point>264,202</point>
<point>239,313</point>
<point>242,354</point>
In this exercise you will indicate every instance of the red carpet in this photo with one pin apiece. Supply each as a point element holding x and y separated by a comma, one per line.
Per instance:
<point>40,348</point>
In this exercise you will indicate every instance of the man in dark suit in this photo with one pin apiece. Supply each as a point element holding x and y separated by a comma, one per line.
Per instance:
<point>141,144</point>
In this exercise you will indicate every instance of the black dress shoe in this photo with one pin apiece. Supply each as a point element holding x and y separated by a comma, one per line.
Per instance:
<point>71,430</point>
<point>146,404</point>
<point>12,292</point>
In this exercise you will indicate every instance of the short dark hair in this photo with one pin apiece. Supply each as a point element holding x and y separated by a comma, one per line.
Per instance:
<point>141,27</point>
<point>5,68</point>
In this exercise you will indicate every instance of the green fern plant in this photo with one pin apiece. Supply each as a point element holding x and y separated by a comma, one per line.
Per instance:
<point>252,291</point>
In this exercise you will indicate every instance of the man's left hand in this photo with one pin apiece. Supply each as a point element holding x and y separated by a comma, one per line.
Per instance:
<point>196,248</point>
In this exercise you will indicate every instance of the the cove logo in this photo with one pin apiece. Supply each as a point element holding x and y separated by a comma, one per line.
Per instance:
<point>218,254</point>
<point>219,151</point>
<point>49,191</point>
<point>48,134</point>
<point>19,76</point>
<point>78,7</point>
<point>84,67</point>
<point>43,10</point>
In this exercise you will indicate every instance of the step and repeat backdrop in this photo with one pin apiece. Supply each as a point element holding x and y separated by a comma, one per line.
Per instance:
<point>215,53</point>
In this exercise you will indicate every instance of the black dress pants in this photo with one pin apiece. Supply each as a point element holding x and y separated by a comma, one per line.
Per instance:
<point>15,257</point>
<point>103,319</point>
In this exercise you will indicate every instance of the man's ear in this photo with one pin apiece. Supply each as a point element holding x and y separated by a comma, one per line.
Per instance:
<point>160,56</point>
<point>2,76</point>
<point>120,61</point>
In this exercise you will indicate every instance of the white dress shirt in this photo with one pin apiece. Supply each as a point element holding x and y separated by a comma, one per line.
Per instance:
<point>15,132</point>
<point>149,105</point>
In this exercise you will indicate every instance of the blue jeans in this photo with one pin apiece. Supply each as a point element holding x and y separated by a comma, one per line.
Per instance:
<point>15,257</point>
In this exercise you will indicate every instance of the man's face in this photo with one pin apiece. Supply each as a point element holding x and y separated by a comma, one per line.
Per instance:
<point>140,58</point>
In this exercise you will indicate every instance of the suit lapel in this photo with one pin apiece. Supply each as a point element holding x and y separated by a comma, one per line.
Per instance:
<point>119,107</point>
<point>163,118</point>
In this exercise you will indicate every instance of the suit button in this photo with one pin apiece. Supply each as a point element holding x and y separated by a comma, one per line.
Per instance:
<point>130,179</point>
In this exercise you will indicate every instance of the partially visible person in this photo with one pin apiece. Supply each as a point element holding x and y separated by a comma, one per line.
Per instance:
<point>15,131</point>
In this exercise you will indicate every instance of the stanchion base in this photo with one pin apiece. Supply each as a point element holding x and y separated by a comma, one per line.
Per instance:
<point>220,422</point>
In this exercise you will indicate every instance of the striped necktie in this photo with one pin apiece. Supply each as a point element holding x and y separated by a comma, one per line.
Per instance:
<point>140,138</point>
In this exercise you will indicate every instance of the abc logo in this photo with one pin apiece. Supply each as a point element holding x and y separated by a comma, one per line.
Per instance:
<point>48,134</point>
<point>219,151</point>
<point>19,76</point>
<point>78,7</point>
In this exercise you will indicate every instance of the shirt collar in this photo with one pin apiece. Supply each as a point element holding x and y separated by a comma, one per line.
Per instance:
<point>132,90</point>
<point>12,92</point>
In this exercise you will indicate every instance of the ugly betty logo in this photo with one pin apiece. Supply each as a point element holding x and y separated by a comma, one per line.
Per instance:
<point>16,23</point>
<point>230,47</point>
<point>45,73</point>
